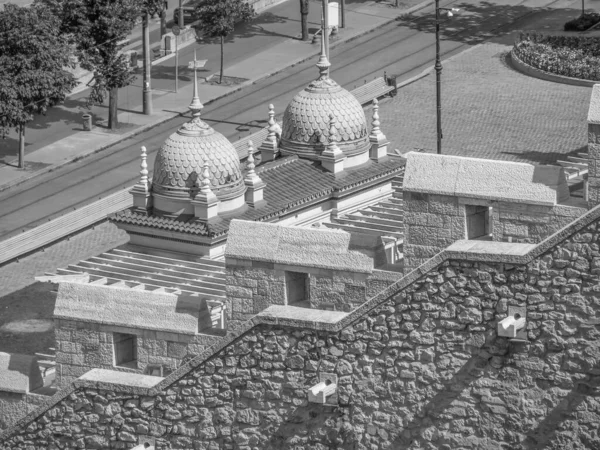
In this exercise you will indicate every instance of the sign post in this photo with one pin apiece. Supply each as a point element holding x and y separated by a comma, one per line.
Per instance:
<point>176,30</point>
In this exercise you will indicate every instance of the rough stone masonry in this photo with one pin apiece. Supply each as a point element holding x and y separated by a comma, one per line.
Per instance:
<point>419,367</point>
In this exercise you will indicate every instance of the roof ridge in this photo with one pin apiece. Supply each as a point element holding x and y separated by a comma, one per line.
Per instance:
<point>277,163</point>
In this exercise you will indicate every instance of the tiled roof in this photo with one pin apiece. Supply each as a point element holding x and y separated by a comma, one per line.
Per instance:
<point>290,182</point>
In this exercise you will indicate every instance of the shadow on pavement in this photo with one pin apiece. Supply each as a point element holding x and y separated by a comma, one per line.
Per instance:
<point>465,25</point>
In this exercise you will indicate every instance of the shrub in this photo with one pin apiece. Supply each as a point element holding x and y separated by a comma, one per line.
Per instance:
<point>569,56</point>
<point>582,23</point>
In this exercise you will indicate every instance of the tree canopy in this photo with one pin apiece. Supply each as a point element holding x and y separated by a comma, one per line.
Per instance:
<point>217,18</point>
<point>96,28</point>
<point>33,58</point>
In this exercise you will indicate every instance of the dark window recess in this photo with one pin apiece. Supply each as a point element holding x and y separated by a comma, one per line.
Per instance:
<point>125,347</point>
<point>478,221</point>
<point>296,285</point>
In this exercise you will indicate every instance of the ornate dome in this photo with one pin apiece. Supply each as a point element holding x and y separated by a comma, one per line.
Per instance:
<point>306,120</point>
<point>180,159</point>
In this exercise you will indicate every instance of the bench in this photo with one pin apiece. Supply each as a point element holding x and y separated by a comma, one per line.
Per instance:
<point>375,89</point>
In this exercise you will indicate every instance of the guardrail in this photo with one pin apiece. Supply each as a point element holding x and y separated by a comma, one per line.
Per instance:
<point>43,235</point>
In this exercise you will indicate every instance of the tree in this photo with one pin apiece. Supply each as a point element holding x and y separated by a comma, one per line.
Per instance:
<point>96,27</point>
<point>304,18</point>
<point>217,18</point>
<point>33,57</point>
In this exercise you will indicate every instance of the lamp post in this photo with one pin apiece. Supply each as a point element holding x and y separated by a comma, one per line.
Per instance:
<point>438,70</point>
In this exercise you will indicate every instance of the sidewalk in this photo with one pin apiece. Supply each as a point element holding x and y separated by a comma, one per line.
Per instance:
<point>259,49</point>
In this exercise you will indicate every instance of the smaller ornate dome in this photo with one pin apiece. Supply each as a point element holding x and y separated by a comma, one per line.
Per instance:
<point>180,160</point>
<point>305,127</point>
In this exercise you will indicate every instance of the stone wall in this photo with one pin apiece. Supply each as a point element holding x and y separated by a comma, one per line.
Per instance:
<point>420,366</point>
<point>431,223</point>
<point>530,223</point>
<point>594,148</point>
<point>82,346</point>
<point>251,289</point>
<point>13,406</point>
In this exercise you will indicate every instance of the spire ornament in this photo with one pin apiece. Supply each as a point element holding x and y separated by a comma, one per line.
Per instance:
<point>144,171</point>
<point>332,158</point>
<point>205,202</point>
<point>269,149</point>
<point>205,179</point>
<point>196,126</point>
<point>142,198</point>
<point>254,185</point>
<point>323,64</point>
<point>378,140</point>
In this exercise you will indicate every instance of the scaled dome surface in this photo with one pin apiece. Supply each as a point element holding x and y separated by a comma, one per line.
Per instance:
<point>306,120</point>
<point>179,162</point>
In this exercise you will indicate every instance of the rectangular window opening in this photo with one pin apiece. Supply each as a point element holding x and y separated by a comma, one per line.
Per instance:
<point>478,222</point>
<point>296,287</point>
<point>125,350</point>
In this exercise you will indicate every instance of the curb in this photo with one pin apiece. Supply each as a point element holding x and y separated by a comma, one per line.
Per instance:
<point>534,72</point>
<point>143,128</point>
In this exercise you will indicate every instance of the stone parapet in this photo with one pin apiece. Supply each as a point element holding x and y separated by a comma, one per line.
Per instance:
<point>418,365</point>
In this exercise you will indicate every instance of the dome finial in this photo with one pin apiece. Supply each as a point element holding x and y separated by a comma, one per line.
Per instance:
<point>323,63</point>
<point>144,171</point>
<point>196,106</point>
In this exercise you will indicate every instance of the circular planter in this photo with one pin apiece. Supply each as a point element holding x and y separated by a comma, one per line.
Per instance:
<point>537,73</point>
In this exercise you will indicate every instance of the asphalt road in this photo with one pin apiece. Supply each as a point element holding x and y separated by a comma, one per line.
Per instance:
<point>403,48</point>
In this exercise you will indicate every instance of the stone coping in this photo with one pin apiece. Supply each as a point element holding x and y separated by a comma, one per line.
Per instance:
<point>130,308</point>
<point>525,68</point>
<point>594,110</point>
<point>489,248</point>
<point>294,246</point>
<point>271,316</point>
<point>485,179</point>
<point>108,379</point>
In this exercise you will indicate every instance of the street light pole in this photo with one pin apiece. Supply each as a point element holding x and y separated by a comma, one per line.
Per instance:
<point>438,77</point>
<point>147,90</point>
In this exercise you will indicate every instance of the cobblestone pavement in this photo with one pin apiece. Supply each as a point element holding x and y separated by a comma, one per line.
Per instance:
<point>489,110</point>
<point>24,299</point>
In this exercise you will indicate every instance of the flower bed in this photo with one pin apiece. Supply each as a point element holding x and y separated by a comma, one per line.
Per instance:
<point>582,23</point>
<point>568,56</point>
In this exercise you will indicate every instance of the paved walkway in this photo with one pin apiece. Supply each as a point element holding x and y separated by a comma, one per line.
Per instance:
<point>259,49</point>
<point>490,110</point>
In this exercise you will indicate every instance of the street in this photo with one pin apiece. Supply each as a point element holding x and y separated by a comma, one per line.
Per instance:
<point>401,48</point>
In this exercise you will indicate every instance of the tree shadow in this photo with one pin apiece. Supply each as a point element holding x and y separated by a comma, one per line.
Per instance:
<point>547,157</point>
<point>34,302</point>
<point>475,23</point>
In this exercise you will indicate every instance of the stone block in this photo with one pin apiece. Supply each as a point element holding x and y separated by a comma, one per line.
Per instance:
<point>176,350</point>
<point>415,205</point>
<point>515,229</point>
<point>238,291</point>
<point>443,205</point>
<point>420,235</point>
